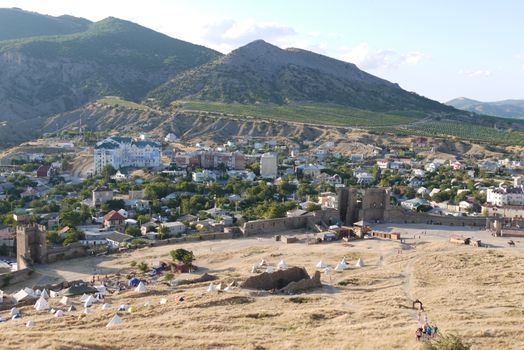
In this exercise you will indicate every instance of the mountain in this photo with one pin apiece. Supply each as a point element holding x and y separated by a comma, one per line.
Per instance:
<point>50,74</point>
<point>504,109</point>
<point>16,23</point>
<point>262,73</point>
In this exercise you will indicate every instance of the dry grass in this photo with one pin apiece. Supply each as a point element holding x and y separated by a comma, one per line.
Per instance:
<point>476,293</point>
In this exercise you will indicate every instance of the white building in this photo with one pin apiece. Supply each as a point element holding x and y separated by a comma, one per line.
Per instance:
<point>505,196</point>
<point>204,176</point>
<point>120,152</point>
<point>175,227</point>
<point>269,165</point>
<point>170,138</point>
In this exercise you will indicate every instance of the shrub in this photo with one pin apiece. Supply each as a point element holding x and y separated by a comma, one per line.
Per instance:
<point>132,263</point>
<point>7,279</point>
<point>446,342</point>
<point>169,276</point>
<point>143,267</point>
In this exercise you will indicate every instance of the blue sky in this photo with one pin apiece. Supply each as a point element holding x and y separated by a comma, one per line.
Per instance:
<point>439,49</point>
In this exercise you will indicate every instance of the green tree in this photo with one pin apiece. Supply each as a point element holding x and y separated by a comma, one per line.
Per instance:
<point>133,231</point>
<point>163,232</point>
<point>182,255</point>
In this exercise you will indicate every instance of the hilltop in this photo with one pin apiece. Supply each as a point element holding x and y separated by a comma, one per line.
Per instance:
<point>505,108</point>
<point>16,24</point>
<point>261,73</point>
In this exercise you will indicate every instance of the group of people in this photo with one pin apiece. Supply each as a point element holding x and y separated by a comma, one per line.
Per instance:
<point>426,332</point>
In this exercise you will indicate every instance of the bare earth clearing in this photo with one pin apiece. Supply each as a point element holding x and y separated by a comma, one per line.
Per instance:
<point>475,292</point>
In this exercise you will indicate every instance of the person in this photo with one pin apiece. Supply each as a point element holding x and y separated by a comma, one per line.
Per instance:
<point>418,333</point>
<point>435,330</point>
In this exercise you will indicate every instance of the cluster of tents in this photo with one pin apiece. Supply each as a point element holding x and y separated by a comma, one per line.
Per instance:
<point>263,265</point>
<point>216,288</point>
<point>90,295</point>
<point>341,266</point>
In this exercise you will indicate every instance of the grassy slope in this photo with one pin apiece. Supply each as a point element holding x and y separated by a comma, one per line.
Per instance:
<point>400,123</point>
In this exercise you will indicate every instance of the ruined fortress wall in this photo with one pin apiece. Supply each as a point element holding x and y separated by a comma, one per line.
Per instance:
<point>273,226</point>
<point>72,251</point>
<point>403,216</point>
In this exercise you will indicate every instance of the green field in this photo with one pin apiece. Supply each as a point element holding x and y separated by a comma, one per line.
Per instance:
<point>311,114</point>
<point>115,101</point>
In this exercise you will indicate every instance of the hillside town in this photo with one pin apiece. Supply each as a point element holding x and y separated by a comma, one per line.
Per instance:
<point>141,189</point>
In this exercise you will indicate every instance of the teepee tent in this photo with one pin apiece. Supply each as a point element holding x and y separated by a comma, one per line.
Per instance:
<point>41,304</point>
<point>54,294</point>
<point>282,265</point>
<point>360,263</point>
<point>270,269</point>
<point>22,295</point>
<point>321,265</point>
<point>88,311</point>
<point>45,294</point>
<point>339,267</point>
<point>253,269</point>
<point>101,289</point>
<point>38,292</point>
<point>14,311</point>
<point>71,308</point>
<point>141,288</point>
<point>1,296</point>
<point>84,297</point>
<point>89,301</point>
<point>115,321</point>
<point>262,263</point>
<point>106,306</point>
<point>65,301</point>
<point>212,288</point>
<point>328,270</point>
<point>123,307</point>
<point>163,301</point>
<point>30,324</point>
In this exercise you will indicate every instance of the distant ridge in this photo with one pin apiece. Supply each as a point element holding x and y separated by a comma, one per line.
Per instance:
<point>504,109</point>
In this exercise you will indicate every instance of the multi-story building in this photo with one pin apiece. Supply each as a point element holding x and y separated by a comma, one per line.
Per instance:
<point>505,196</point>
<point>121,152</point>
<point>269,165</point>
<point>212,159</point>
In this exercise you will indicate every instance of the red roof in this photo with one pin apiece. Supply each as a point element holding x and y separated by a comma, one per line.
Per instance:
<point>42,171</point>
<point>113,216</point>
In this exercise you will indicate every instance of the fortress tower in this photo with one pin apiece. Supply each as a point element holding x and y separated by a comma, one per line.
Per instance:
<point>31,245</point>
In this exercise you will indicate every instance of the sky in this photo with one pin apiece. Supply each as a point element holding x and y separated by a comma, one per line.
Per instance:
<point>440,49</point>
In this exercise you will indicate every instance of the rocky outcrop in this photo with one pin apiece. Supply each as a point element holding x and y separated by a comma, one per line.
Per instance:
<point>289,281</point>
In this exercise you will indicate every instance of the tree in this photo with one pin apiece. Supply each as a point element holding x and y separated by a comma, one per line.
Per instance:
<point>107,172</point>
<point>70,218</point>
<point>133,231</point>
<point>446,342</point>
<point>142,266</point>
<point>313,207</point>
<point>182,255</point>
<point>163,232</point>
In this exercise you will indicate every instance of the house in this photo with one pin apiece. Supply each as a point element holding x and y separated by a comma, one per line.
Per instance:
<point>269,165</point>
<point>328,200</point>
<point>364,178</point>
<point>29,192</point>
<point>43,171</point>
<point>117,239</point>
<point>489,166</point>
<point>505,196</point>
<point>204,176</point>
<point>242,174</point>
<point>357,157</point>
<point>175,228</point>
<point>310,170</point>
<point>114,219</point>
<point>295,212</point>
<point>383,163</point>
<point>415,204</point>
<point>148,227</point>
<point>101,195</point>
<point>124,213</point>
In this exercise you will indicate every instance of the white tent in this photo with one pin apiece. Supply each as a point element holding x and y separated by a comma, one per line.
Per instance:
<point>339,267</point>
<point>38,292</point>
<point>89,301</point>
<point>52,311</point>
<point>163,301</point>
<point>229,287</point>
<point>14,311</point>
<point>141,288</point>
<point>65,301</point>
<point>59,313</point>
<point>115,321</point>
<point>253,269</point>
<point>41,304</point>
<point>1,296</point>
<point>270,269</point>
<point>328,270</point>
<point>71,308</point>
<point>262,263</point>
<point>123,307</point>
<point>344,261</point>
<point>282,265</point>
<point>101,289</point>
<point>212,288</point>
<point>45,294</point>
<point>344,264</point>
<point>30,292</point>
<point>87,311</point>
<point>22,295</point>
<point>106,306</point>
<point>30,324</point>
<point>84,297</point>
<point>321,264</point>
<point>54,294</point>
<point>360,263</point>
<point>147,304</point>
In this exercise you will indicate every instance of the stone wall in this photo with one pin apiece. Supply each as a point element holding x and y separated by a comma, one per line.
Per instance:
<point>307,221</point>
<point>74,250</point>
<point>403,216</point>
<point>15,276</point>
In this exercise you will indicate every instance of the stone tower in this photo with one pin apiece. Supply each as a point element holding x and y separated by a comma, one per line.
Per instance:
<point>347,205</point>
<point>375,205</point>
<point>31,245</point>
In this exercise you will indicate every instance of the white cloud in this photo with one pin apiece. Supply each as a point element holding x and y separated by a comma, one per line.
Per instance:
<point>364,58</point>
<point>522,67</point>
<point>475,73</point>
<point>228,34</point>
